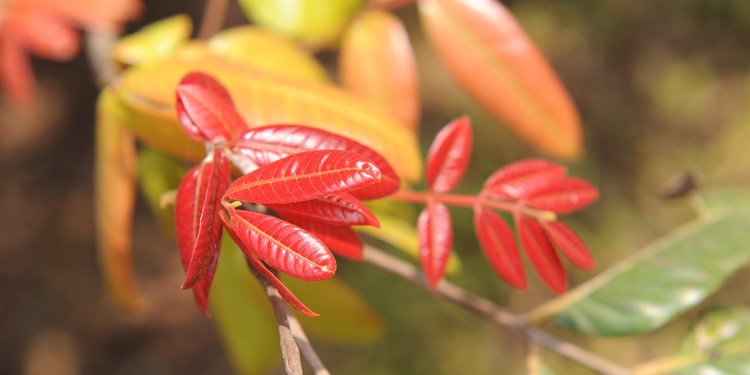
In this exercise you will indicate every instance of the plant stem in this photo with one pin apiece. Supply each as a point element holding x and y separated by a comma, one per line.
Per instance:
<point>389,5</point>
<point>492,313</point>
<point>214,13</point>
<point>472,201</point>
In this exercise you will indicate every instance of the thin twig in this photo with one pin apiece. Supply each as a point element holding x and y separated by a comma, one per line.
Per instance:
<point>289,349</point>
<point>304,345</point>
<point>493,313</point>
<point>98,47</point>
<point>214,14</point>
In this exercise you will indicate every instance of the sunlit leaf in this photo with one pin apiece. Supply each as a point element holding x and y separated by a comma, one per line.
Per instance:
<point>115,189</point>
<point>542,254</point>
<point>197,219</point>
<point>205,109</point>
<point>570,244</point>
<point>377,62</point>
<point>266,144</point>
<point>341,239</point>
<point>344,316</point>
<point>284,246</point>
<point>435,232</point>
<point>449,155</point>
<point>666,278</point>
<point>337,209</point>
<point>242,315</point>
<point>146,97</point>
<point>522,178</point>
<point>564,196</point>
<point>720,342</point>
<point>490,55</point>
<point>153,41</point>
<point>499,246</point>
<point>202,289</point>
<point>314,23</point>
<point>304,176</point>
<point>157,174</point>
<point>279,54</point>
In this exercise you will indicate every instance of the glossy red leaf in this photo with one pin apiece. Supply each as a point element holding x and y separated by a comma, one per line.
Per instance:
<point>449,155</point>
<point>337,209</point>
<point>284,246</point>
<point>435,232</point>
<point>569,243</point>
<point>205,109</point>
<point>522,178</point>
<point>564,196</point>
<point>197,223</point>
<point>542,254</point>
<point>340,239</point>
<point>499,246</point>
<point>202,288</point>
<point>259,266</point>
<point>304,176</point>
<point>267,144</point>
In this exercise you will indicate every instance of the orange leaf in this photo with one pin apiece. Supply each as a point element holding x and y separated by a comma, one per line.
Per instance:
<point>490,55</point>
<point>378,63</point>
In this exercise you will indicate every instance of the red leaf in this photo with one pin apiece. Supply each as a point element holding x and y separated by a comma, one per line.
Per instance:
<point>542,255</point>
<point>570,244</point>
<point>268,144</point>
<point>522,178</point>
<point>564,196</point>
<point>435,232</point>
<point>197,225</point>
<point>32,26</point>
<point>202,288</point>
<point>305,176</point>
<point>340,239</point>
<point>449,155</point>
<point>337,209</point>
<point>284,246</point>
<point>16,76</point>
<point>288,296</point>
<point>499,246</point>
<point>206,110</point>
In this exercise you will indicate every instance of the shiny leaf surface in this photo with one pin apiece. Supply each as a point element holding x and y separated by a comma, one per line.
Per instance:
<point>449,155</point>
<point>490,55</point>
<point>377,62</point>
<point>522,178</point>
<point>340,239</point>
<point>668,277</point>
<point>284,246</point>
<point>202,289</point>
<point>337,209</point>
<point>499,246</point>
<point>263,145</point>
<point>435,232</point>
<point>564,196</point>
<point>205,109</point>
<point>305,176</point>
<point>570,244</point>
<point>542,254</point>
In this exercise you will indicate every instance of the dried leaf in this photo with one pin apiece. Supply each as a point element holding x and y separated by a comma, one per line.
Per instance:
<point>488,52</point>
<point>205,109</point>
<point>377,62</point>
<point>499,246</point>
<point>449,155</point>
<point>570,244</point>
<point>542,255</point>
<point>564,196</point>
<point>305,176</point>
<point>522,178</point>
<point>435,232</point>
<point>284,246</point>
<point>337,209</point>
<point>266,144</point>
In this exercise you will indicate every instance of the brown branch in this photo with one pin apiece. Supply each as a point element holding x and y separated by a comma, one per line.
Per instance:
<point>214,14</point>
<point>493,313</point>
<point>389,5</point>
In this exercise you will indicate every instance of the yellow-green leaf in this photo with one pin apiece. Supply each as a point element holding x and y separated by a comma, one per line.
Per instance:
<point>114,191</point>
<point>312,22</point>
<point>154,41</point>
<point>267,52</point>
<point>378,63</point>
<point>490,55</point>
<point>159,173</point>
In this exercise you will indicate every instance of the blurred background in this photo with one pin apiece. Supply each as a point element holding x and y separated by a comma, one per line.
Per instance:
<point>662,88</point>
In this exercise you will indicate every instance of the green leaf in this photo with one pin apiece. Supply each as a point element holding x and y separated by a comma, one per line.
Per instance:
<point>159,173</point>
<point>668,277</point>
<point>344,316</point>
<point>720,342</point>
<point>154,41</point>
<point>242,314</point>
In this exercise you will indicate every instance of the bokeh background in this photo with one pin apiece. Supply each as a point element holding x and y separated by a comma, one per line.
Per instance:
<point>662,87</point>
